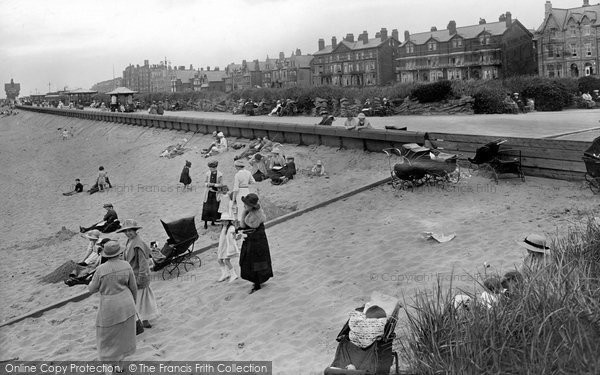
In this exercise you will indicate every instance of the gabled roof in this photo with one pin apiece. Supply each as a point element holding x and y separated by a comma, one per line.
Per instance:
<point>122,91</point>
<point>183,75</point>
<point>354,46</point>
<point>562,16</point>
<point>466,32</point>
<point>302,61</point>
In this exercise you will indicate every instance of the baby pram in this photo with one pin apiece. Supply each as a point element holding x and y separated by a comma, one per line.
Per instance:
<point>491,158</point>
<point>178,251</point>
<point>420,165</point>
<point>377,358</point>
<point>591,158</point>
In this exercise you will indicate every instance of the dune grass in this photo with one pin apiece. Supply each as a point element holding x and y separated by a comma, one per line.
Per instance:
<point>550,324</point>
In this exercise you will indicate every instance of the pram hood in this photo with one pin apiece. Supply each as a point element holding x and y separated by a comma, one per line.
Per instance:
<point>181,231</point>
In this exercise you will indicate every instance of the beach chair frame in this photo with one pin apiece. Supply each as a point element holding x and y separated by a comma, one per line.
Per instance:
<point>384,354</point>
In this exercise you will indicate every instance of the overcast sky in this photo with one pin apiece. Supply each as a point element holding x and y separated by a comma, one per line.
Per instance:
<point>76,43</point>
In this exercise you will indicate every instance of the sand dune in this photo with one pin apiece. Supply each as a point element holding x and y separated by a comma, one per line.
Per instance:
<point>326,262</point>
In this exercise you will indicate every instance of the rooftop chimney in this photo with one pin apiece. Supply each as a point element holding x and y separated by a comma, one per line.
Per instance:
<point>452,27</point>
<point>433,28</point>
<point>333,42</point>
<point>256,65</point>
<point>378,35</point>
<point>548,8</point>
<point>298,52</point>
<point>406,35</point>
<point>321,44</point>
<point>281,56</point>
<point>586,3</point>
<point>384,34</point>
<point>349,38</point>
<point>482,21</point>
<point>364,37</point>
<point>508,19</point>
<point>395,34</point>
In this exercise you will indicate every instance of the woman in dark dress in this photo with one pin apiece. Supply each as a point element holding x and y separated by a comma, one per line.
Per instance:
<point>255,257</point>
<point>185,178</point>
<point>210,208</point>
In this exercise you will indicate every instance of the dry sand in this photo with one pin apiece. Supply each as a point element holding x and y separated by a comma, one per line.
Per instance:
<point>326,262</point>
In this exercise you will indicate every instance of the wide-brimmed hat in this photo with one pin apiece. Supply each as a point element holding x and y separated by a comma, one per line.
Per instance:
<point>258,156</point>
<point>239,164</point>
<point>251,200</point>
<point>534,242</point>
<point>361,115</point>
<point>111,249</point>
<point>129,224</point>
<point>106,205</point>
<point>220,134</point>
<point>92,235</point>
<point>213,164</point>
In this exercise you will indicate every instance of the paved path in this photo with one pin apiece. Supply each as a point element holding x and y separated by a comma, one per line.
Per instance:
<point>576,124</point>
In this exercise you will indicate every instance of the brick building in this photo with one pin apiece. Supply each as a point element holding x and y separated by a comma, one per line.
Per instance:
<point>483,51</point>
<point>148,78</point>
<point>364,62</point>
<point>568,41</point>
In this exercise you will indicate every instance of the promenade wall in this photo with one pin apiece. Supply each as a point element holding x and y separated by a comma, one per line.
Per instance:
<point>559,159</point>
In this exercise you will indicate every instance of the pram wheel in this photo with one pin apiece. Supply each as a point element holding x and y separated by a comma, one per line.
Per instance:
<point>593,183</point>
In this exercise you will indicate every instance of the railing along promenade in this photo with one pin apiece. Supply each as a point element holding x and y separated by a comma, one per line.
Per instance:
<point>560,159</point>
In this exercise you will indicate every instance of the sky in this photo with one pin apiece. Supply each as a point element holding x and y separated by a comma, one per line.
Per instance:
<point>49,45</point>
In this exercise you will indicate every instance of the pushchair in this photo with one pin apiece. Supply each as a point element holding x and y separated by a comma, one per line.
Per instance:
<point>178,250</point>
<point>591,158</point>
<point>419,165</point>
<point>491,158</point>
<point>376,358</point>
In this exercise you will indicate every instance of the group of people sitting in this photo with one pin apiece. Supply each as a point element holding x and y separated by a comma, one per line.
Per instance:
<point>496,288</point>
<point>218,146</point>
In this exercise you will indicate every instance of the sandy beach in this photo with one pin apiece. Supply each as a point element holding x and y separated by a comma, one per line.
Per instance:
<point>326,262</point>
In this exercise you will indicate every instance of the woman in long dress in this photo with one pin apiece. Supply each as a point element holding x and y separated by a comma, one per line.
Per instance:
<point>210,208</point>
<point>255,257</point>
<point>137,253</point>
<point>115,322</point>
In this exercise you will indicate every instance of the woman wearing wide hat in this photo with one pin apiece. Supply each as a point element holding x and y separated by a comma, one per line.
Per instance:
<point>255,257</point>
<point>115,322</point>
<point>137,253</point>
<point>212,181</point>
<point>538,253</point>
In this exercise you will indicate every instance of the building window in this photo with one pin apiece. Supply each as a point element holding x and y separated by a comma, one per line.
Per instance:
<point>573,49</point>
<point>550,51</point>
<point>553,33</point>
<point>586,30</point>
<point>410,48</point>
<point>588,49</point>
<point>432,46</point>
<point>573,30</point>
<point>550,69</point>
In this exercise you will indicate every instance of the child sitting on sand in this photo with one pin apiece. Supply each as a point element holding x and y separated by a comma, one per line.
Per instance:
<point>318,169</point>
<point>78,188</point>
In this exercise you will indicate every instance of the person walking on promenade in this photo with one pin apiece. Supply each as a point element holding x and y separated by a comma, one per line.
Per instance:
<point>255,257</point>
<point>115,322</point>
<point>137,253</point>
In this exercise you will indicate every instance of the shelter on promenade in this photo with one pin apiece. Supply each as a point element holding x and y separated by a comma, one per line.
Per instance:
<point>124,96</point>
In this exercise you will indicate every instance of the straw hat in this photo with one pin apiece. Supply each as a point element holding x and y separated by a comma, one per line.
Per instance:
<point>111,249</point>
<point>220,134</point>
<point>107,205</point>
<point>129,224</point>
<point>239,164</point>
<point>93,235</point>
<point>535,243</point>
<point>251,200</point>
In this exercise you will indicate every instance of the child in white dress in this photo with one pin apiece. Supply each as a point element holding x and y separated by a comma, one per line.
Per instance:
<point>228,246</point>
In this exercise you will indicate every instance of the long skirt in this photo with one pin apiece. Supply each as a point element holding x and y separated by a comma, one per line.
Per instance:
<point>210,208</point>
<point>116,342</point>
<point>255,257</point>
<point>145,304</point>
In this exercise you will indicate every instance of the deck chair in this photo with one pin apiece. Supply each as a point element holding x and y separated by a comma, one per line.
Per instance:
<point>178,250</point>
<point>498,161</point>
<point>377,358</point>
